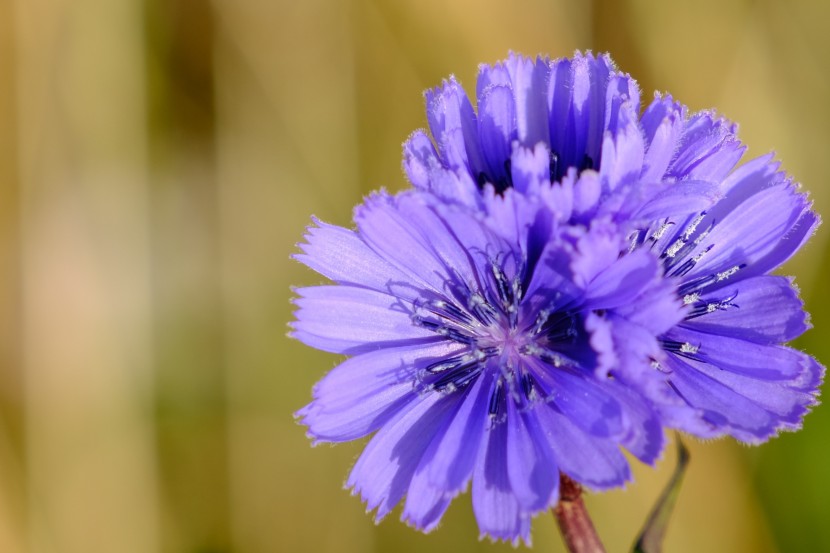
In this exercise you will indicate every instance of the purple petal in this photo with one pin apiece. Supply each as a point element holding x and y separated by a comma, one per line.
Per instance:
<point>392,236</point>
<point>644,436</point>
<point>708,149</point>
<point>530,82</point>
<point>384,470</point>
<point>656,310</point>
<point>622,95</point>
<point>497,510</point>
<point>623,281</point>
<point>420,160</point>
<point>361,394</point>
<point>531,468</point>
<point>444,245</point>
<point>680,200</point>
<point>590,78</point>
<point>580,399</point>
<point>346,319</point>
<point>450,459</point>
<point>497,128</point>
<point>623,152</point>
<point>786,403</point>
<point>764,309</point>
<point>587,194</point>
<point>491,75</point>
<point>424,505</point>
<point>559,98</point>
<point>530,168</point>
<point>340,255</point>
<point>452,121</point>
<point>595,250</point>
<point>723,407</point>
<point>662,125</point>
<point>764,362</point>
<point>752,225</point>
<point>594,462</point>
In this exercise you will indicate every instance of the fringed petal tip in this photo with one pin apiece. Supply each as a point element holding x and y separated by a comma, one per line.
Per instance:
<point>523,538</point>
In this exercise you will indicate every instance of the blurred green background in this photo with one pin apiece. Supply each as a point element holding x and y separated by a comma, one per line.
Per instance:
<point>159,160</point>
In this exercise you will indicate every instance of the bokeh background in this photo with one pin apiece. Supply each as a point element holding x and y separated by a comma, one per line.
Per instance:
<point>159,160</point>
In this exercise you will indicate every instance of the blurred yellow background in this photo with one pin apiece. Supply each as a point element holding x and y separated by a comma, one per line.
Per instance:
<point>159,160</point>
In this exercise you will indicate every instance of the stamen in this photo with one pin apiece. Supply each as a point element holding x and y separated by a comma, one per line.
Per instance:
<point>689,264</point>
<point>481,309</point>
<point>636,239</point>
<point>702,282</point>
<point>683,349</point>
<point>686,347</point>
<point>528,387</point>
<point>455,335</point>
<point>729,272</point>
<point>544,354</point>
<point>496,399</point>
<point>554,166</point>
<point>541,319</point>
<point>445,364</point>
<point>687,234</point>
<point>674,248</point>
<point>689,299</point>
<point>710,307</point>
<point>661,230</point>
<point>458,377</point>
<point>587,163</point>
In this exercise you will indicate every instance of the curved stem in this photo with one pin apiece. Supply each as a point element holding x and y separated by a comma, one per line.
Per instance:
<point>574,522</point>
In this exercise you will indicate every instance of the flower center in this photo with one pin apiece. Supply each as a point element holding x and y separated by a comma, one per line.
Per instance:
<point>495,331</point>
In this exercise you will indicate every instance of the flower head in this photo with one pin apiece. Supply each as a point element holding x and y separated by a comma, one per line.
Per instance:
<point>568,278</point>
<point>670,179</point>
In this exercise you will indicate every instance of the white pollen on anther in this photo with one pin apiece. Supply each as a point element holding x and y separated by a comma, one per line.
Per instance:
<point>688,348</point>
<point>674,248</point>
<point>702,236</point>
<point>689,299</point>
<point>727,273</point>
<point>658,234</point>
<point>692,227</point>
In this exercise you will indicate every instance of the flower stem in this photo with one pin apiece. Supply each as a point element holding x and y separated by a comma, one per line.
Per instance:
<point>574,522</point>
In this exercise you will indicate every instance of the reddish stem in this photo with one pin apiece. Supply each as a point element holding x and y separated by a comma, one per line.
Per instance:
<point>574,522</point>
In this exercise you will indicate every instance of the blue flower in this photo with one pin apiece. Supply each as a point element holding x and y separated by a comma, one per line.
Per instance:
<point>671,178</point>
<point>472,353</point>
<point>567,279</point>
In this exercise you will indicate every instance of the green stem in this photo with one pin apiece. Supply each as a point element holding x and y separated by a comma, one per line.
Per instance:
<point>654,531</point>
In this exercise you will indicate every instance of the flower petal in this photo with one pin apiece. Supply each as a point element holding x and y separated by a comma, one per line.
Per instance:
<point>580,399</point>
<point>662,124</point>
<point>594,462</point>
<point>763,309</point>
<point>531,468</point>
<point>384,470</point>
<point>497,130</point>
<point>452,121</point>
<point>729,411</point>
<point>347,319</point>
<point>708,149</point>
<point>497,510</point>
<point>340,255</point>
<point>765,362</point>
<point>420,160</point>
<point>530,82</point>
<point>451,456</point>
<point>364,392</point>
